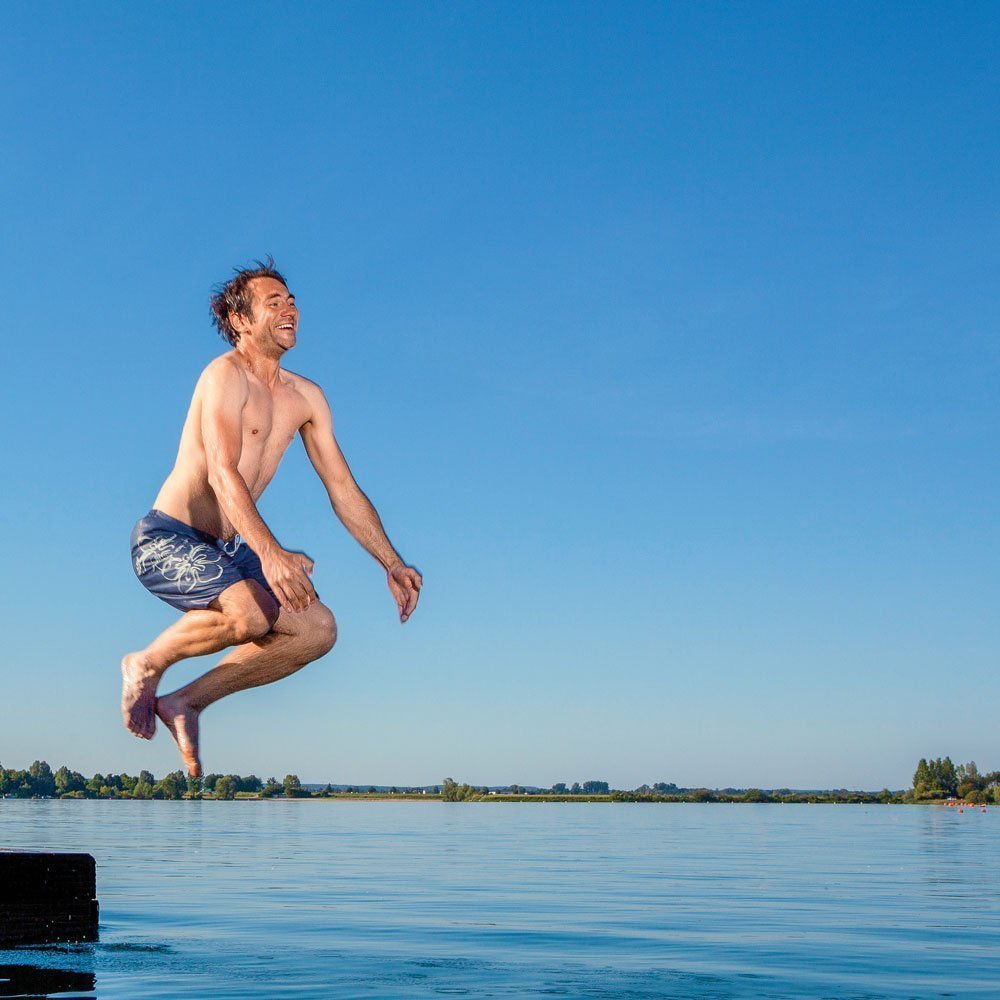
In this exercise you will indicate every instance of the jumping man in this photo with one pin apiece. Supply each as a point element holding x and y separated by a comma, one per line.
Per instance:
<point>204,548</point>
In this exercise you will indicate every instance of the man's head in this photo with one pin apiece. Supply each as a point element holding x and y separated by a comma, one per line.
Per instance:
<point>256,304</point>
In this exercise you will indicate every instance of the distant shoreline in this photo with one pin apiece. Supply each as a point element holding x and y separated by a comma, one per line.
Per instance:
<point>935,782</point>
<point>860,798</point>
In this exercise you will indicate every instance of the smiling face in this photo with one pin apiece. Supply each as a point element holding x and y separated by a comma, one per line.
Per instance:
<point>271,327</point>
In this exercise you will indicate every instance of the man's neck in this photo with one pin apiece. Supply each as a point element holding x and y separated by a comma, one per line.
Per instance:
<point>261,366</point>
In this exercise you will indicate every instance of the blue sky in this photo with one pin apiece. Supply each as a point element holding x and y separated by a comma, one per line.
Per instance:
<point>663,337</point>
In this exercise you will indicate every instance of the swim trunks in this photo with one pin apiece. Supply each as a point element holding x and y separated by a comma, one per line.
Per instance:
<point>186,567</point>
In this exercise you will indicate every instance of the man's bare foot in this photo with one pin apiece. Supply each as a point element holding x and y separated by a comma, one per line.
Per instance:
<point>139,695</point>
<point>182,721</point>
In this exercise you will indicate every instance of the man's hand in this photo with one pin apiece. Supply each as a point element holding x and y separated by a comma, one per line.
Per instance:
<point>405,583</point>
<point>288,575</point>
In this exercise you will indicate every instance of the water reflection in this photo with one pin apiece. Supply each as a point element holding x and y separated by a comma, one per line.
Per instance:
<point>36,981</point>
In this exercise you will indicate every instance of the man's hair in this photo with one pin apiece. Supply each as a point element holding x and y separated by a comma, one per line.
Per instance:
<point>234,296</point>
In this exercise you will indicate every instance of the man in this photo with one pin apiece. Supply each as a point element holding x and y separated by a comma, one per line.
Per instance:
<point>204,548</point>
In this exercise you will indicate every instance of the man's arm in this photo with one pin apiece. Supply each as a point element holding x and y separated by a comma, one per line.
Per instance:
<point>224,393</point>
<point>350,504</point>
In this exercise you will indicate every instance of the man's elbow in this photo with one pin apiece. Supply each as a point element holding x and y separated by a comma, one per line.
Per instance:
<point>220,477</point>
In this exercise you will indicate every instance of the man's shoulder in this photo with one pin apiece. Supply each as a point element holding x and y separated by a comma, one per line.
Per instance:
<point>224,376</point>
<point>300,383</point>
<point>225,368</point>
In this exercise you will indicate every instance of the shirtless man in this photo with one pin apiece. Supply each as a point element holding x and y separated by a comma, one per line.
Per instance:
<point>204,548</point>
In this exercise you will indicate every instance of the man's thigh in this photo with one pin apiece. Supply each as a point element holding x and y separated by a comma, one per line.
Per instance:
<point>248,601</point>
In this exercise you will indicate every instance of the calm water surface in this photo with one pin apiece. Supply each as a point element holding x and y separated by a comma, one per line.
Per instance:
<point>384,899</point>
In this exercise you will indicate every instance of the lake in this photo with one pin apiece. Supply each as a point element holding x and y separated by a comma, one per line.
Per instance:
<point>336,899</point>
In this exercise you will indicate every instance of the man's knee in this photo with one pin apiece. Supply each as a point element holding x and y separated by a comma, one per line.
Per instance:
<point>322,631</point>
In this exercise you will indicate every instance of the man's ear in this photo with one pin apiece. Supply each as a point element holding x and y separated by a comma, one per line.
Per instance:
<point>238,322</point>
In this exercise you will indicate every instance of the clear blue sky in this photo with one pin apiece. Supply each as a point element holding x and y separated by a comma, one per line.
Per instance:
<point>663,337</point>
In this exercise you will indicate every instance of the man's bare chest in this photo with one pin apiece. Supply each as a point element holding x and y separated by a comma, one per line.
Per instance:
<point>271,419</point>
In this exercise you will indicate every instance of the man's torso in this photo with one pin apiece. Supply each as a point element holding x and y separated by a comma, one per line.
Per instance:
<point>270,419</point>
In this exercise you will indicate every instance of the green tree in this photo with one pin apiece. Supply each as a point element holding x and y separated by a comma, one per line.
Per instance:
<point>143,789</point>
<point>43,781</point>
<point>292,786</point>
<point>944,774</point>
<point>970,781</point>
<point>68,781</point>
<point>225,787</point>
<point>451,791</point>
<point>23,786</point>
<point>62,780</point>
<point>922,780</point>
<point>935,779</point>
<point>168,787</point>
<point>271,788</point>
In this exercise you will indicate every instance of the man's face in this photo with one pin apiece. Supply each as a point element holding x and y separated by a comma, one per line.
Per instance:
<point>275,318</point>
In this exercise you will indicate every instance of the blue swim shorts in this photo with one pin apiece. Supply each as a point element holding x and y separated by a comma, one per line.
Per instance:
<point>186,567</point>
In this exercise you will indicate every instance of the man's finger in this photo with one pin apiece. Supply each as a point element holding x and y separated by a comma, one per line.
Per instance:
<point>283,600</point>
<point>411,603</point>
<point>290,585</point>
<point>303,590</point>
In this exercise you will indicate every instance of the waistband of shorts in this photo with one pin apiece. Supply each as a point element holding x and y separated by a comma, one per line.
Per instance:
<point>165,520</point>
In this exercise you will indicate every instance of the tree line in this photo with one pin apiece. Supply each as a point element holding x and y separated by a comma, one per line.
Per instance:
<point>40,781</point>
<point>934,779</point>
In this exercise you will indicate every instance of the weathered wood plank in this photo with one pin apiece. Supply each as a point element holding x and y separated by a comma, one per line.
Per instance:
<point>47,898</point>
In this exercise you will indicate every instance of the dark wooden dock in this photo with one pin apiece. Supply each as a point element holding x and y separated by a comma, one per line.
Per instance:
<point>47,898</point>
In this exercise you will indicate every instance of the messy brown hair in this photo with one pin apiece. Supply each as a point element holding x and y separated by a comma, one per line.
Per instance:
<point>234,296</point>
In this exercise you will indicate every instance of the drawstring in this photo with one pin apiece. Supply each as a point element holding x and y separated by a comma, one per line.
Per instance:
<point>236,542</point>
